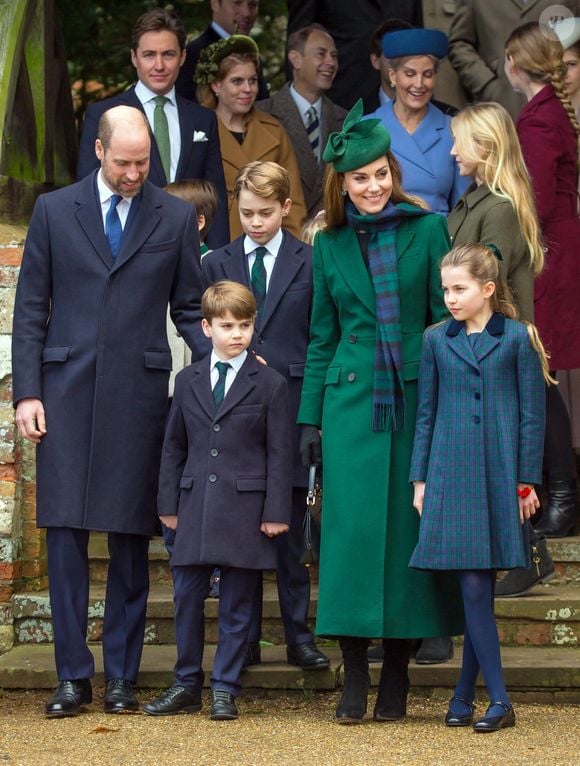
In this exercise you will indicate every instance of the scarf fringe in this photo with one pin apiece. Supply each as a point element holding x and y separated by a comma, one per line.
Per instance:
<point>389,417</point>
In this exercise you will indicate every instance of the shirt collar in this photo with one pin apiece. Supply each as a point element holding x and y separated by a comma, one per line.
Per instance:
<point>236,361</point>
<point>303,104</point>
<point>104,192</point>
<point>220,30</point>
<point>273,246</point>
<point>145,94</point>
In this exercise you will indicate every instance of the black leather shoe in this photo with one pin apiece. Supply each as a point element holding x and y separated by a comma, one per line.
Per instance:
<point>496,722</point>
<point>518,582</point>
<point>253,655</point>
<point>560,516</point>
<point>120,697</point>
<point>223,706</point>
<point>434,651</point>
<point>460,719</point>
<point>69,698</point>
<point>175,700</point>
<point>307,656</point>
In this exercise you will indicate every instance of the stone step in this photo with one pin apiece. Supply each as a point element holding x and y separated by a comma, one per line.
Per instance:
<point>565,551</point>
<point>548,616</point>
<point>532,674</point>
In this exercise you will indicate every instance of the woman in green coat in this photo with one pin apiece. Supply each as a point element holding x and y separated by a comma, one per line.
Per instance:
<point>376,288</point>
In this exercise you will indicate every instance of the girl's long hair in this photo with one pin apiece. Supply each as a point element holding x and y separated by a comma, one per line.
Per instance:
<point>334,199</point>
<point>481,264</point>
<point>541,59</point>
<point>485,135</point>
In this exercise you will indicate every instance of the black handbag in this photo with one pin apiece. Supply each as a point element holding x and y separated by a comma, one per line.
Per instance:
<point>312,520</point>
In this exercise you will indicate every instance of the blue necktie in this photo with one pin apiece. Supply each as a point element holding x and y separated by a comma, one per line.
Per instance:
<point>219,390</point>
<point>113,228</point>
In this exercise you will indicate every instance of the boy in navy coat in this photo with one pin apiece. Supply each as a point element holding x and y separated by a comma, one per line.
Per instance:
<point>278,268</point>
<point>225,488</point>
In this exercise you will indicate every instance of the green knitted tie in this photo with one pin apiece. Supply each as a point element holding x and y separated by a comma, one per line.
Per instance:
<point>161,133</point>
<point>259,278</point>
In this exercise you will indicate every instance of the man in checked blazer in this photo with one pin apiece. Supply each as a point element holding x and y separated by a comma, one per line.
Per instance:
<point>157,53</point>
<point>312,56</point>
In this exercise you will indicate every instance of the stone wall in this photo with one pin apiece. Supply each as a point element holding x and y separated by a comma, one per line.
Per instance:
<point>22,557</point>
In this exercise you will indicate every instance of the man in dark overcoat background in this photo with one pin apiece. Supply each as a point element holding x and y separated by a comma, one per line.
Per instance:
<point>91,361</point>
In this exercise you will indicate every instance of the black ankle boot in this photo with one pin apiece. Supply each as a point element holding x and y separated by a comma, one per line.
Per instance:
<point>353,702</point>
<point>391,704</point>
<point>562,512</point>
<point>518,582</point>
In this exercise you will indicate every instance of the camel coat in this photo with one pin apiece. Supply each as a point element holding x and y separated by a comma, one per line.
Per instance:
<point>265,140</point>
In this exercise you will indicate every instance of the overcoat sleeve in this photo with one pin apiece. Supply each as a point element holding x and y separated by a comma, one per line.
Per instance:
<point>88,160</point>
<point>173,456</point>
<point>439,245</point>
<point>532,399</point>
<point>324,338</point>
<point>540,152</point>
<point>219,232</point>
<point>426,409</point>
<point>278,502</point>
<point>473,71</point>
<point>32,308</point>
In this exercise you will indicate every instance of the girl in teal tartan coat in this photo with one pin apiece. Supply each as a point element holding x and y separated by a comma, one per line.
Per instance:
<point>476,456</point>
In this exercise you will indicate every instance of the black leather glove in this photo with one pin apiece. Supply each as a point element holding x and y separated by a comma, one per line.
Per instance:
<point>310,446</point>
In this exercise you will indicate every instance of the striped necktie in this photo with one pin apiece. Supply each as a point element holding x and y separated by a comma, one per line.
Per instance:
<point>258,277</point>
<point>313,131</point>
<point>113,228</point>
<point>219,390</point>
<point>161,133</point>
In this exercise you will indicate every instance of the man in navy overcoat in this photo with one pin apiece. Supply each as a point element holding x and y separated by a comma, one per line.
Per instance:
<point>91,364</point>
<point>157,53</point>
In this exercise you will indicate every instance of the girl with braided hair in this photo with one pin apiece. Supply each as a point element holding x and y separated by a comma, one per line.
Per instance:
<point>548,131</point>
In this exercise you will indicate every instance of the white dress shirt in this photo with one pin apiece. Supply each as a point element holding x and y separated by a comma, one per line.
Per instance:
<point>304,106</point>
<point>105,195</point>
<point>273,246</point>
<point>147,99</point>
<point>235,363</point>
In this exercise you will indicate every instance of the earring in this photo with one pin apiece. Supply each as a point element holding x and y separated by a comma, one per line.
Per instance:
<point>343,192</point>
<point>393,85</point>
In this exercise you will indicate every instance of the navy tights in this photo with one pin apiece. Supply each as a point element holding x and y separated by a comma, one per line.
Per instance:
<point>481,642</point>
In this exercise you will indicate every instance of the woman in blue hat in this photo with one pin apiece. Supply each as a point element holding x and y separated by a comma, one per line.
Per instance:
<point>376,288</point>
<point>420,132</point>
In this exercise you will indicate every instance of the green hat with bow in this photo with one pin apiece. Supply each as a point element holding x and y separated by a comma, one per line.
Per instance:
<point>358,143</point>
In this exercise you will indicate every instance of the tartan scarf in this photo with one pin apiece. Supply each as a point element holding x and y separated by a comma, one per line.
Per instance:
<point>388,385</point>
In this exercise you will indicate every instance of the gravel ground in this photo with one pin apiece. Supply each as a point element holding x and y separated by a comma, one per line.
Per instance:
<point>282,731</point>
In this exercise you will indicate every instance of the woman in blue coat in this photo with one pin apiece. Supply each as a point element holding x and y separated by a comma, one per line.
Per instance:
<point>420,132</point>
<point>476,456</point>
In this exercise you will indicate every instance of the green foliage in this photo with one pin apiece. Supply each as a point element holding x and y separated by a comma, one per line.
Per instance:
<point>97,40</point>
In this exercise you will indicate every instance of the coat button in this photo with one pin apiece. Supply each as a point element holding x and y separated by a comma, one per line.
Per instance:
<point>212,477</point>
<point>217,427</point>
<point>214,452</point>
<point>476,419</point>
<point>352,339</point>
<point>260,340</point>
<point>477,395</point>
<point>351,376</point>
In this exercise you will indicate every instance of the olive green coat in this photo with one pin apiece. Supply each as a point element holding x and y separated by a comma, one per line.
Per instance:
<point>482,216</point>
<point>369,527</point>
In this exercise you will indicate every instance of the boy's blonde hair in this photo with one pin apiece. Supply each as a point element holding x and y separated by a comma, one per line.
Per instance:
<point>265,179</point>
<point>228,296</point>
<point>482,265</point>
<point>312,227</point>
<point>485,135</point>
<point>199,193</point>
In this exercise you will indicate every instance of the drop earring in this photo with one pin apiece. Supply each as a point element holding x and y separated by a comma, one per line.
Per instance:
<point>343,192</point>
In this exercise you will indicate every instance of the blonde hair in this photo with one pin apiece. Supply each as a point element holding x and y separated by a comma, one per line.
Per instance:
<point>334,199</point>
<point>485,135</point>
<point>482,265</point>
<point>229,296</point>
<point>205,95</point>
<point>265,179</point>
<point>312,227</point>
<point>541,59</point>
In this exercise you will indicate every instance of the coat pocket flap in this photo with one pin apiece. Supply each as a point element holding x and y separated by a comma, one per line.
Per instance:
<point>296,369</point>
<point>159,247</point>
<point>186,482</point>
<point>332,375</point>
<point>158,360</point>
<point>55,353</point>
<point>251,484</point>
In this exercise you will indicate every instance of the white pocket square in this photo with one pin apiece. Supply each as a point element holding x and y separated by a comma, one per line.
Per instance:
<point>199,135</point>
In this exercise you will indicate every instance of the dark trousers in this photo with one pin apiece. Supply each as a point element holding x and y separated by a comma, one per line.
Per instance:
<point>191,587</point>
<point>125,603</point>
<point>292,578</point>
